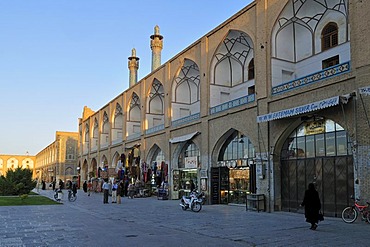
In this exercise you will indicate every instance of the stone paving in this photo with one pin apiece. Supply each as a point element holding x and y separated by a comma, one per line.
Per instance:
<point>152,222</point>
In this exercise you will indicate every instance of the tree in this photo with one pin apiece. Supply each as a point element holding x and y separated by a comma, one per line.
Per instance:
<point>17,182</point>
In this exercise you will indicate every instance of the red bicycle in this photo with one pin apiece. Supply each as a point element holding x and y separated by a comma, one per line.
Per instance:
<point>350,214</point>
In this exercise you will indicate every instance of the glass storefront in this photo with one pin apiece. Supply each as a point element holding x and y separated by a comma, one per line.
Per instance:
<point>234,177</point>
<point>239,185</point>
<point>188,163</point>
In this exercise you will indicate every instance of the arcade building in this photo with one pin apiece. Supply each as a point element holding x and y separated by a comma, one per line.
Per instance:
<point>274,98</point>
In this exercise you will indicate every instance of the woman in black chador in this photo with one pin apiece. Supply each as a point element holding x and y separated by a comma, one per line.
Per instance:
<point>312,206</point>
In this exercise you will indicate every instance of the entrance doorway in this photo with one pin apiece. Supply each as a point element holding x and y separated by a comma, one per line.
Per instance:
<point>317,152</point>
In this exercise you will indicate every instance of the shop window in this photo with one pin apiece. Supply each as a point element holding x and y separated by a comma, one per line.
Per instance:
<point>301,147</point>
<point>330,62</point>
<point>330,144</point>
<point>320,145</point>
<point>317,139</point>
<point>310,146</point>
<point>251,90</point>
<point>251,69</point>
<point>341,143</point>
<point>329,36</point>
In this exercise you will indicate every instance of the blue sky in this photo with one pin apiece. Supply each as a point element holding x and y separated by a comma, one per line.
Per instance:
<point>56,56</point>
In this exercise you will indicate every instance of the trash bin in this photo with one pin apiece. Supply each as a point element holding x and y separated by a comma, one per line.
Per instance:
<point>255,202</point>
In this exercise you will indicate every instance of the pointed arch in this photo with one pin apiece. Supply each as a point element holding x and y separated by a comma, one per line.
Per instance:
<point>230,72</point>
<point>297,44</point>
<point>95,135</point>
<point>317,150</point>
<point>133,124</point>
<point>155,106</point>
<point>186,91</point>
<point>104,137</point>
<point>116,161</point>
<point>27,163</point>
<point>117,124</point>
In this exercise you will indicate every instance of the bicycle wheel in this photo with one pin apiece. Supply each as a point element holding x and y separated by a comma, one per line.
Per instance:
<point>349,215</point>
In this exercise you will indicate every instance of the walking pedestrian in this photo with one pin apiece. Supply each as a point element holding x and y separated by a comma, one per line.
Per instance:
<point>312,206</point>
<point>89,187</point>
<point>105,188</point>
<point>120,192</point>
<point>54,182</point>
<point>126,184</point>
<point>84,186</point>
<point>114,191</point>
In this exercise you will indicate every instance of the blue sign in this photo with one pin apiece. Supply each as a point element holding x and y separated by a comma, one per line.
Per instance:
<point>299,109</point>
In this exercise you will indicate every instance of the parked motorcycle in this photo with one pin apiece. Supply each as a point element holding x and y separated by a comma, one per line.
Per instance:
<point>201,196</point>
<point>192,202</point>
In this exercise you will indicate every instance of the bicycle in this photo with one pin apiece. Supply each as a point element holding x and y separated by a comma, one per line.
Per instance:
<point>71,196</point>
<point>350,214</point>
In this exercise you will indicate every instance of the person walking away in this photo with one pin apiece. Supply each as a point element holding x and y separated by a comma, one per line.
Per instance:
<point>125,187</point>
<point>114,192</point>
<point>105,188</point>
<point>89,187</point>
<point>54,182</point>
<point>120,192</point>
<point>74,188</point>
<point>312,205</point>
<point>84,186</point>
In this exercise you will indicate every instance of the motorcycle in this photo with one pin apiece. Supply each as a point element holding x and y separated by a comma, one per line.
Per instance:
<point>192,202</point>
<point>201,196</point>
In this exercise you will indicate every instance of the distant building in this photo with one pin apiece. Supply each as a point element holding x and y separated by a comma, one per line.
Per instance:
<point>8,161</point>
<point>59,159</point>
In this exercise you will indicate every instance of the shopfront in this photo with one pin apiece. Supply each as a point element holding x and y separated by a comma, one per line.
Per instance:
<point>319,151</point>
<point>187,172</point>
<point>235,174</point>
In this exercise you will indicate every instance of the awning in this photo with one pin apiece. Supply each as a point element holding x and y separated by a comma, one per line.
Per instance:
<point>184,137</point>
<point>299,109</point>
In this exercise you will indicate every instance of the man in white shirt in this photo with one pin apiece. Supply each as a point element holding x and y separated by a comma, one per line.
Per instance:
<point>114,192</point>
<point>106,187</point>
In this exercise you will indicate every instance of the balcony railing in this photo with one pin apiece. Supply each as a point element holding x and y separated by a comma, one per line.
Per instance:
<point>232,103</point>
<point>154,129</point>
<point>327,73</point>
<point>134,136</point>
<point>185,120</point>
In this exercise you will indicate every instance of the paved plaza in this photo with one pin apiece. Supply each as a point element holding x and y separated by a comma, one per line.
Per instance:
<point>152,222</point>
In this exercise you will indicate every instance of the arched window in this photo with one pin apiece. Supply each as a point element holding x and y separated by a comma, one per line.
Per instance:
<point>189,150</point>
<point>318,138</point>
<point>329,36</point>
<point>251,69</point>
<point>237,146</point>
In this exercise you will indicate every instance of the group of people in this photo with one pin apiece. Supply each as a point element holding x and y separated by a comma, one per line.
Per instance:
<point>117,189</point>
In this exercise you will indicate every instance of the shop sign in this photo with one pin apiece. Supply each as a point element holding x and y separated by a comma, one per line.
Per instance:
<point>316,127</point>
<point>299,110</point>
<point>191,162</point>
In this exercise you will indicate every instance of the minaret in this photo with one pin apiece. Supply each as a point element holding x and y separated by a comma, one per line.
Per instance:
<point>156,44</point>
<point>133,66</point>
